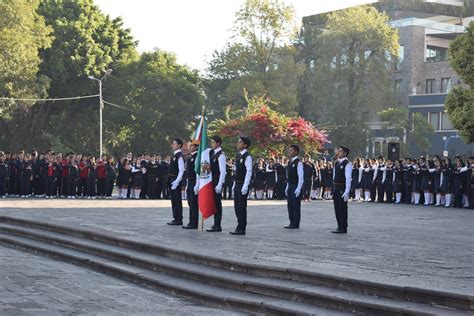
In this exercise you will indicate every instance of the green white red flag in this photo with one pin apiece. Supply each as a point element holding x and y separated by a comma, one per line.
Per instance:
<point>206,199</point>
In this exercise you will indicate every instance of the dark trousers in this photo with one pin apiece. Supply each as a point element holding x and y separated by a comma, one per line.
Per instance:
<point>389,191</point>
<point>380,191</point>
<point>240,206</point>
<point>3,186</point>
<point>176,202</point>
<point>340,207</point>
<point>109,186</point>
<point>71,186</point>
<point>91,183</point>
<point>39,185</point>
<point>306,188</point>
<point>407,192</point>
<point>51,189</point>
<point>64,185</point>
<point>152,182</point>
<point>294,206</point>
<point>218,200</point>
<point>280,189</point>
<point>101,186</point>
<point>82,187</point>
<point>227,189</point>
<point>193,204</point>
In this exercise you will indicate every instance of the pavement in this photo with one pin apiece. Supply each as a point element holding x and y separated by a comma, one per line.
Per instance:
<point>34,285</point>
<point>403,245</point>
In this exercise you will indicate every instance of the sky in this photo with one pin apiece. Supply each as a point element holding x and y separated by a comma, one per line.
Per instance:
<point>193,29</point>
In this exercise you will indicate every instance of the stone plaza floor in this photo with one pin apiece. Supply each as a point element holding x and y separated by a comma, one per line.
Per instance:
<point>406,245</point>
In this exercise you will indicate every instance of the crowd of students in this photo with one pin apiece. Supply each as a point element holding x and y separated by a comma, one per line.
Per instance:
<point>436,181</point>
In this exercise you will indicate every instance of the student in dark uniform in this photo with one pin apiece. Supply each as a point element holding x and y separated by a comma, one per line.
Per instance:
<point>243,173</point>
<point>280,179</point>
<point>82,182</point>
<point>71,179</point>
<point>218,171</point>
<point>459,180</point>
<point>91,178</point>
<point>379,176</point>
<point>316,185</point>
<point>152,178</point>
<point>51,179</point>
<point>175,175</point>
<point>270,178</point>
<point>227,194</point>
<point>137,179</point>
<point>259,179</point>
<point>426,180</point>
<point>416,183</point>
<point>366,181</point>
<point>295,176</point>
<point>388,181</point>
<point>397,181</point>
<point>342,186</point>
<point>327,177</point>
<point>12,175</point>
<point>101,177</point>
<point>110,177</point>
<point>4,172</point>
<point>26,176</point>
<point>192,190</point>
<point>470,182</point>
<point>308,168</point>
<point>407,181</point>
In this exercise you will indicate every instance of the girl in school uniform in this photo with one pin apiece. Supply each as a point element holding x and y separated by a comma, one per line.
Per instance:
<point>357,178</point>
<point>397,181</point>
<point>91,178</point>
<point>270,178</point>
<point>447,181</point>
<point>388,181</point>
<point>72,176</point>
<point>137,179</point>
<point>110,177</point>
<point>123,179</point>
<point>416,183</point>
<point>437,172</point>
<point>328,180</point>
<point>259,180</point>
<point>459,180</point>
<point>367,180</point>
<point>316,189</point>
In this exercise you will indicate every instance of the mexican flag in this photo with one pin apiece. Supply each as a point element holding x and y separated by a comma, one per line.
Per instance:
<point>206,201</point>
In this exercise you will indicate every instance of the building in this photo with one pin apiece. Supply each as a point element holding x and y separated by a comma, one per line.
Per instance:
<point>422,76</point>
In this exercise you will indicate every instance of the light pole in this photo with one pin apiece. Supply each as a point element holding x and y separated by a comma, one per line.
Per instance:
<point>101,106</point>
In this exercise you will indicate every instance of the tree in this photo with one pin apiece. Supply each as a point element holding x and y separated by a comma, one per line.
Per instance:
<point>23,33</point>
<point>460,100</point>
<point>347,81</point>
<point>421,128</point>
<point>270,131</point>
<point>162,98</point>
<point>258,59</point>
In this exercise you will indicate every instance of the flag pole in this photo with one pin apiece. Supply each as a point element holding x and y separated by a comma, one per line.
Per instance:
<point>202,223</point>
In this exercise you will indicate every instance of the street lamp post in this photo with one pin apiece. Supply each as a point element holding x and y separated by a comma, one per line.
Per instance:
<point>101,106</point>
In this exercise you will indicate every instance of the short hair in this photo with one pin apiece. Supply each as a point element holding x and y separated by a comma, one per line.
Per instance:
<point>245,140</point>
<point>380,157</point>
<point>295,147</point>
<point>346,150</point>
<point>178,141</point>
<point>217,139</point>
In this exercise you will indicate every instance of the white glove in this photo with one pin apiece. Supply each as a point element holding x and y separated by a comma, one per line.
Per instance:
<point>286,191</point>
<point>233,187</point>
<point>245,190</point>
<point>196,189</point>
<point>297,192</point>
<point>219,188</point>
<point>345,196</point>
<point>174,184</point>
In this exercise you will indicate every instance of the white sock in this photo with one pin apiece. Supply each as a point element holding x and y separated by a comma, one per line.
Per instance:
<point>357,194</point>
<point>367,196</point>
<point>466,200</point>
<point>443,198</point>
<point>413,197</point>
<point>417,198</point>
<point>438,199</point>
<point>398,197</point>
<point>270,194</point>
<point>448,200</point>
<point>427,198</point>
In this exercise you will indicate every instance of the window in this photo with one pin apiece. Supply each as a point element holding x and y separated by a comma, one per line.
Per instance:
<point>445,85</point>
<point>430,86</point>
<point>434,53</point>
<point>401,53</point>
<point>445,122</point>
<point>433,118</point>
<point>398,88</point>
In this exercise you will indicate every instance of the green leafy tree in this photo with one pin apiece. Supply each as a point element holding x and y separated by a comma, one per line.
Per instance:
<point>159,99</point>
<point>23,33</point>
<point>259,58</point>
<point>460,100</point>
<point>350,59</point>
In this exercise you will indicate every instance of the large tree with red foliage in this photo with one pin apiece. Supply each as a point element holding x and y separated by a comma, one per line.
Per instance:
<point>271,132</point>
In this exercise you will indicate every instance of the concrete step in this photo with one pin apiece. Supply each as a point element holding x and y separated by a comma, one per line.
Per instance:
<point>429,296</point>
<point>197,291</point>
<point>280,288</point>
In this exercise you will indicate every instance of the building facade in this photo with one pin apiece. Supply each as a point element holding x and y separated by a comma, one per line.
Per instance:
<point>422,76</point>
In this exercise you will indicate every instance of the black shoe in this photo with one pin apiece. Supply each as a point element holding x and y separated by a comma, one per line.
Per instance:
<point>175,223</point>
<point>214,229</point>
<point>237,232</point>
<point>189,226</point>
<point>291,227</point>
<point>339,231</point>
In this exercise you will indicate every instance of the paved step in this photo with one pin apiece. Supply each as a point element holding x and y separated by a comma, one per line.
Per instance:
<point>202,293</point>
<point>286,289</point>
